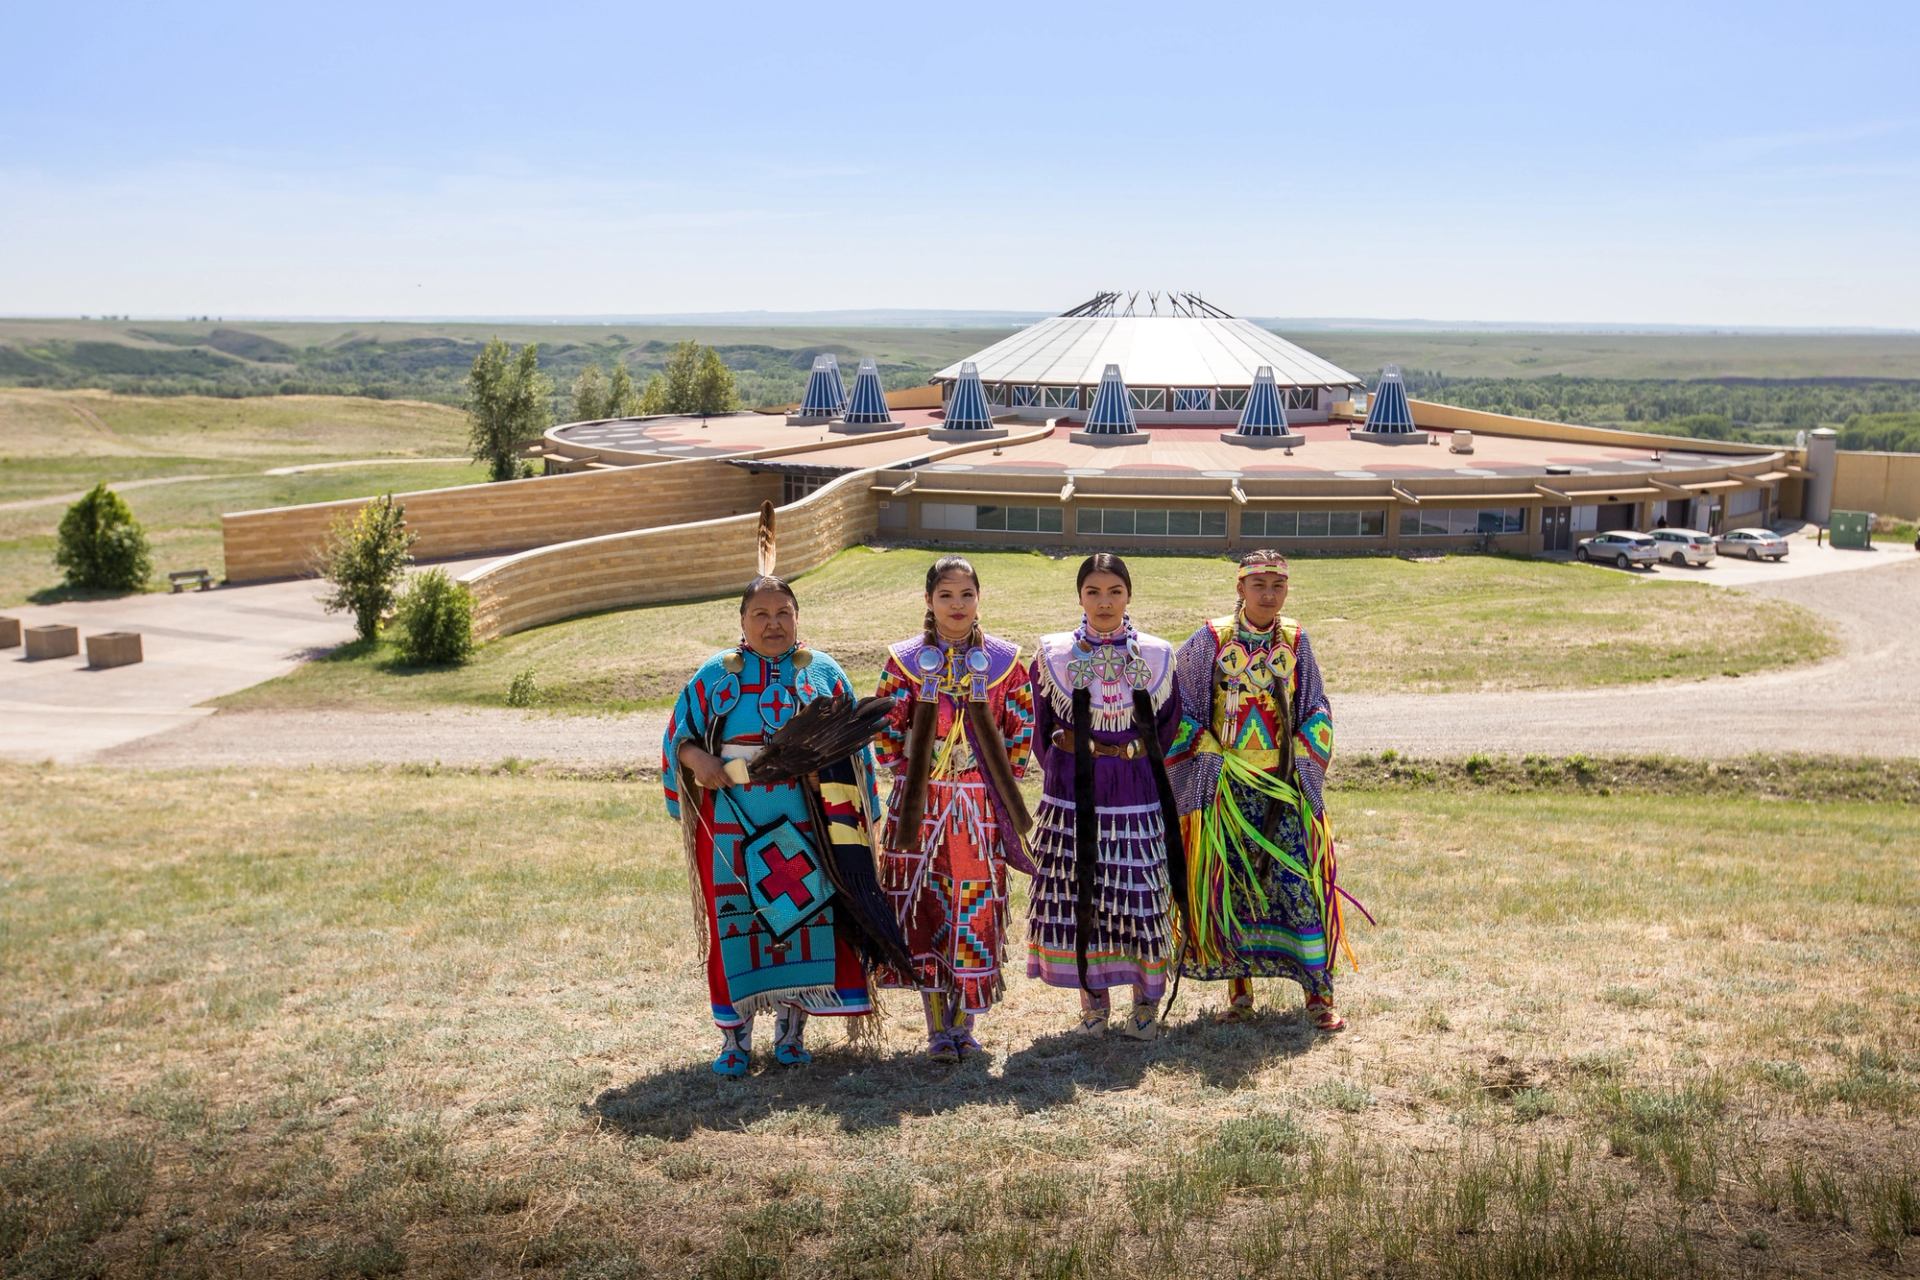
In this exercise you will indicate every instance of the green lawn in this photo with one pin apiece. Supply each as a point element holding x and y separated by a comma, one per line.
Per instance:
<point>53,443</point>
<point>438,1023</point>
<point>1377,624</point>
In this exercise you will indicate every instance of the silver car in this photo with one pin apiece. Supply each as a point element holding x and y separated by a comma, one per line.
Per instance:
<point>1623,547</point>
<point>1753,544</point>
<point>1683,546</point>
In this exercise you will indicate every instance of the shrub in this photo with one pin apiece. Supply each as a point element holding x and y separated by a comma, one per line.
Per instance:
<point>365,555</point>
<point>436,621</point>
<point>101,545</point>
<point>523,691</point>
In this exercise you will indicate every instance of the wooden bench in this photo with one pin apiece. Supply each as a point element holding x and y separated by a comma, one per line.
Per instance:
<point>9,632</point>
<point>198,579</point>
<point>52,640</point>
<point>114,649</point>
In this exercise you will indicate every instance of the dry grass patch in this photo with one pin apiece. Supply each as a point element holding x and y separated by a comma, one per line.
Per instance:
<point>410,1022</point>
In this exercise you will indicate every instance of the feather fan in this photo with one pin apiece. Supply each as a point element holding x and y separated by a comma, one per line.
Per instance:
<point>819,733</point>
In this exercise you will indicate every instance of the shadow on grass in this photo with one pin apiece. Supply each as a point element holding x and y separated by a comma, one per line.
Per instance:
<point>850,1090</point>
<point>65,594</point>
<point>381,654</point>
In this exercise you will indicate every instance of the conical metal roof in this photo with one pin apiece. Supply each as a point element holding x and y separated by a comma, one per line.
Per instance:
<point>1198,345</point>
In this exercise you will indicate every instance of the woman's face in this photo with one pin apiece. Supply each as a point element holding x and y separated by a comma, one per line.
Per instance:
<point>955,602</point>
<point>770,623</point>
<point>1104,597</point>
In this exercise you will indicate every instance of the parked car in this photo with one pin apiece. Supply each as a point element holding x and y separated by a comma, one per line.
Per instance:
<point>1622,546</point>
<point>1753,544</point>
<point>1683,546</point>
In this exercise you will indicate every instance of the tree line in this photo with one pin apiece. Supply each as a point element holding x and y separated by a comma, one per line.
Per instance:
<point>509,401</point>
<point>1716,409</point>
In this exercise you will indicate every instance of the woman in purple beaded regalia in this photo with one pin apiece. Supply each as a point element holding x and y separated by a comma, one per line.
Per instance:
<point>1106,842</point>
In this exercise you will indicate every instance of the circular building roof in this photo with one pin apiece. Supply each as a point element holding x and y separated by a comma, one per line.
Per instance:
<point>1190,344</point>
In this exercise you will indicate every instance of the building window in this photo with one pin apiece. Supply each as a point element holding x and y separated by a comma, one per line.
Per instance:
<point>1148,399</point>
<point>1151,523</point>
<point>1063,397</point>
<point>795,487</point>
<point>1234,398</point>
<point>1303,397</point>
<point>1457,522</point>
<point>1293,525</point>
<point>1192,399</point>
<point>1023,396</point>
<point>1015,519</point>
<point>1746,502</point>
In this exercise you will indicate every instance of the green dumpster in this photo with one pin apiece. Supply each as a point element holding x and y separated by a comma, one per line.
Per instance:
<point>1851,529</point>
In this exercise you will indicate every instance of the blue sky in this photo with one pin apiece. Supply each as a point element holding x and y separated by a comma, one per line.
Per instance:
<point>1674,163</point>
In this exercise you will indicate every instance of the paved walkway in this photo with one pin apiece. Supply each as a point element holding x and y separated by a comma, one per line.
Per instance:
<point>197,646</point>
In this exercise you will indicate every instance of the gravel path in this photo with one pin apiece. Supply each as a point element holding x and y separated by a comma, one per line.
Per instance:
<point>1866,702</point>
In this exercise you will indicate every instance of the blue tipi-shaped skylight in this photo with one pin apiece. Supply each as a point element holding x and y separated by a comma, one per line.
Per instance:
<point>823,390</point>
<point>967,406</point>
<point>1264,414</point>
<point>838,383</point>
<point>1112,412</point>
<point>868,404</point>
<point>1388,414</point>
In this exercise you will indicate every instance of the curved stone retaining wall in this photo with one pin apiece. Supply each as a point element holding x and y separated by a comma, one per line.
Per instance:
<point>680,562</point>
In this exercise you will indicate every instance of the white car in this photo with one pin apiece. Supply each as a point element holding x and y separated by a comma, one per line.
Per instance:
<point>1753,544</point>
<point>1683,546</point>
<point>1623,547</point>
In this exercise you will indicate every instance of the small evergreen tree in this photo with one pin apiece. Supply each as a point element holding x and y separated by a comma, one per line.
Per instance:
<point>622,400</point>
<point>713,388</point>
<point>101,546</point>
<point>509,403</point>
<point>590,395</point>
<point>364,557</point>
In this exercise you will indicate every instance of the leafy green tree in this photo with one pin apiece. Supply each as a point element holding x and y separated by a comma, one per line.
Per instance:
<point>508,405</point>
<point>622,400</point>
<point>101,546</point>
<point>1889,432</point>
<point>713,389</point>
<point>683,375</point>
<point>590,395</point>
<point>654,399</point>
<point>364,556</point>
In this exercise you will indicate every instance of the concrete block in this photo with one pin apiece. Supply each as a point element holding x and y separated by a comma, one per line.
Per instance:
<point>114,649</point>
<point>1288,440</point>
<point>1108,439</point>
<point>52,640</point>
<point>9,632</point>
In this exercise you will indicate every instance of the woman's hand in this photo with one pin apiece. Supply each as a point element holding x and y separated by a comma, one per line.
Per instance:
<point>709,770</point>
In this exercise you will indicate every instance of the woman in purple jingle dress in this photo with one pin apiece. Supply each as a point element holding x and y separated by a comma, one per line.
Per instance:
<point>1106,842</point>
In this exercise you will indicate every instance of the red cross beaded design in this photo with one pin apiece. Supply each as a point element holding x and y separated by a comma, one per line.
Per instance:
<point>786,878</point>
<point>732,1059</point>
<point>776,706</point>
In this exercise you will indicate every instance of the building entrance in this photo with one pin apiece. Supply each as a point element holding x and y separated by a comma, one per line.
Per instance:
<point>1556,528</point>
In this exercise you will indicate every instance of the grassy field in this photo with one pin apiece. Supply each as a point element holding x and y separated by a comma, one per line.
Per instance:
<point>192,458</point>
<point>452,1024</point>
<point>1459,353</point>
<point>1463,622</point>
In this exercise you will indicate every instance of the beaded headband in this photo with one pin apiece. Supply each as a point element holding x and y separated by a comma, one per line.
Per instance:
<point>1274,564</point>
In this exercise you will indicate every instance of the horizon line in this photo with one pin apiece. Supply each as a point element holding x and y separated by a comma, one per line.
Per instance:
<point>951,318</point>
